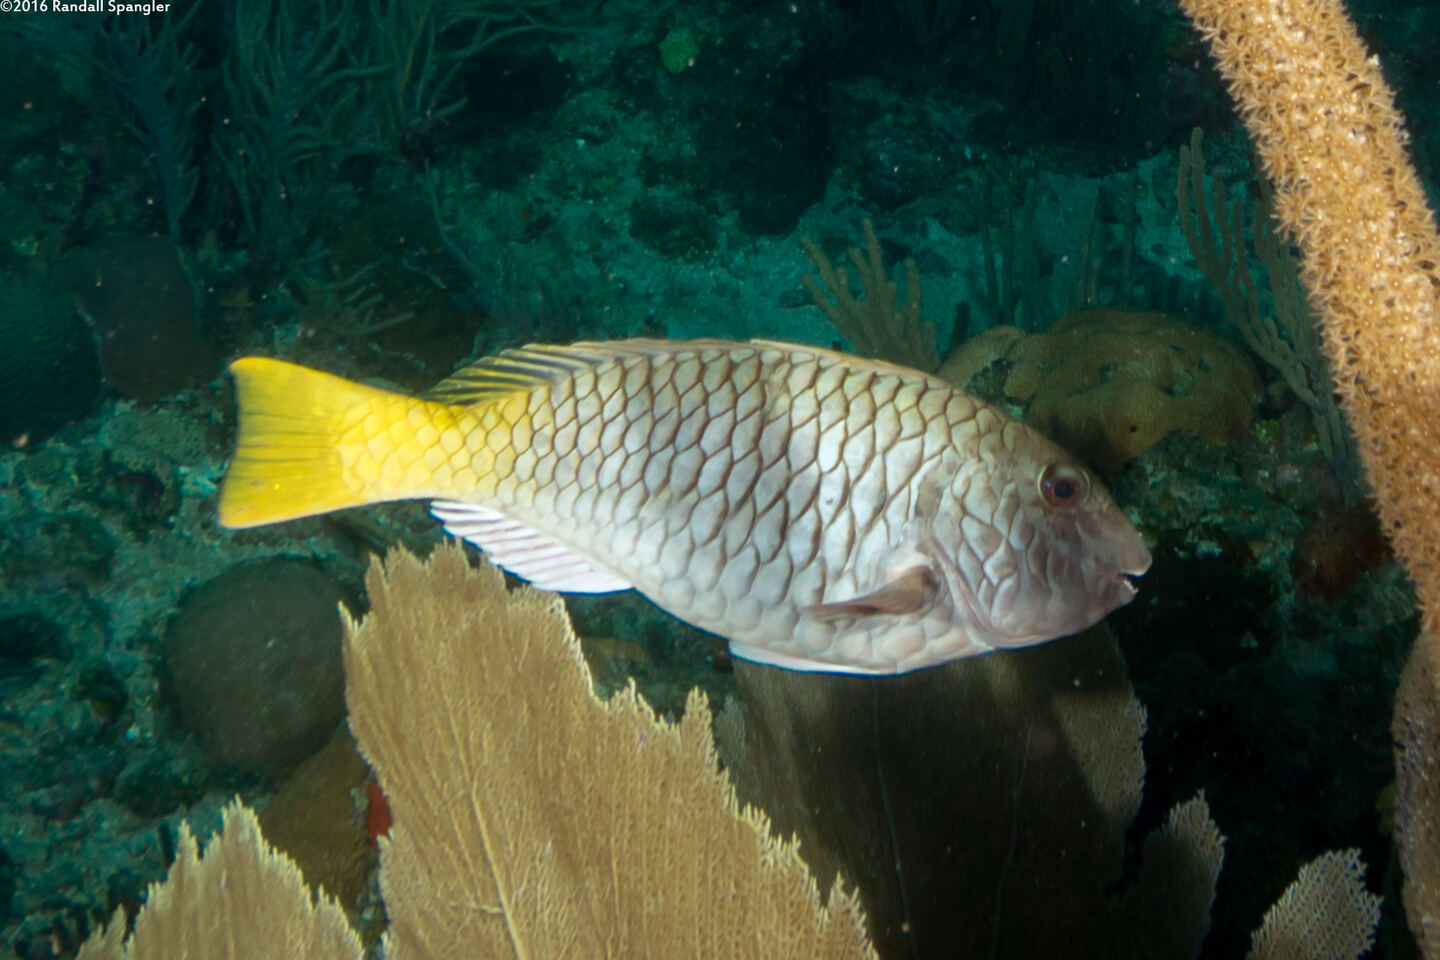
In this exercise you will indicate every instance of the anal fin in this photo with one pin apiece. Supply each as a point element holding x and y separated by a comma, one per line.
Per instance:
<point>797,662</point>
<point>542,560</point>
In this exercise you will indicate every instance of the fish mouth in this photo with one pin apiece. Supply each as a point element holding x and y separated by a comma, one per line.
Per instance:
<point>1128,580</point>
<point>1130,566</point>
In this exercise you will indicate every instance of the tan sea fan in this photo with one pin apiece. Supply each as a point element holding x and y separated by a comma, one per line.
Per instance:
<point>532,820</point>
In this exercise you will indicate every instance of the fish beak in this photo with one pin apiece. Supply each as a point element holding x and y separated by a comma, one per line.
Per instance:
<point>1132,568</point>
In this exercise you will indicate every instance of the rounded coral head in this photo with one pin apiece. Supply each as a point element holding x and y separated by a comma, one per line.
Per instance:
<point>1110,384</point>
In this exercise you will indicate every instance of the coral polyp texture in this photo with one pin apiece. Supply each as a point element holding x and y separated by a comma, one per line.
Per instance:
<point>1110,384</point>
<point>1334,146</point>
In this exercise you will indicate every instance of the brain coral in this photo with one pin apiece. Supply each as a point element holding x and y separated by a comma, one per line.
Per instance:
<point>1109,384</point>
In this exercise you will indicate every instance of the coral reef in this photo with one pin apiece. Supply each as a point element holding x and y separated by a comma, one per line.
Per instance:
<point>576,185</point>
<point>138,301</point>
<point>877,325</point>
<point>241,900</point>
<point>531,819</point>
<point>619,830</point>
<point>316,819</point>
<point>620,835</point>
<point>1334,146</point>
<point>982,807</point>
<point>1325,913</point>
<point>49,369</point>
<point>1336,550</point>
<point>153,75</point>
<point>1416,730</point>
<point>1305,85</point>
<point>1110,384</point>
<point>253,658</point>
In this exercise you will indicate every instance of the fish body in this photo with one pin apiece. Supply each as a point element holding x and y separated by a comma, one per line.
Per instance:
<point>818,511</point>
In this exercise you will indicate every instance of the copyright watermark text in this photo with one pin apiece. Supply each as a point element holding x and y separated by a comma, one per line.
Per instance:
<point>83,6</point>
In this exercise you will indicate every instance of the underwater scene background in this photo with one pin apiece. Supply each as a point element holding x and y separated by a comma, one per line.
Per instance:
<point>389,189</point>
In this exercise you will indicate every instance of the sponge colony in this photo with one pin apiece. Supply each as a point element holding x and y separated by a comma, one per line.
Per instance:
<point>253,658</point>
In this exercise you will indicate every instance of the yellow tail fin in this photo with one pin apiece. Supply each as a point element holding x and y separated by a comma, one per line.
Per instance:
<point>310,443</point>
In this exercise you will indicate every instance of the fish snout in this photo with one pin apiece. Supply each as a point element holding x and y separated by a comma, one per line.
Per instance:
<point>1122,558</point>
<point>1132,561</point>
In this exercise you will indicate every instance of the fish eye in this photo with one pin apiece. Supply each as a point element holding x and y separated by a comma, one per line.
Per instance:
<point>1062,485</point>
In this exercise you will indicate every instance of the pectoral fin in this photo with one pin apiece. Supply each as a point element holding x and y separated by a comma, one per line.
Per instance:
<point>910,592</point>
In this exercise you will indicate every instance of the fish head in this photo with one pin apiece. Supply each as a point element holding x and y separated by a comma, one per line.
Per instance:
<point>1055,553</point>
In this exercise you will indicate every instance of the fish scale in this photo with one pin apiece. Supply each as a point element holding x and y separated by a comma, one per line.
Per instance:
<point>818,511</point>
<point>830,521</point>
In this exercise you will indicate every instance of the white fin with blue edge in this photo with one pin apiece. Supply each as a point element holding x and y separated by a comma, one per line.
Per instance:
<point>535,557</point>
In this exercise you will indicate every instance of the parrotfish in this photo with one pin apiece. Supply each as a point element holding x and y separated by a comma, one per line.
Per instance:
<point>816,510</point>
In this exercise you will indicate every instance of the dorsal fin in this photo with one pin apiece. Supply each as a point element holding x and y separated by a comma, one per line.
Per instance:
<point>508,372</point>
<point>853,360</point>
<point>523,368</point>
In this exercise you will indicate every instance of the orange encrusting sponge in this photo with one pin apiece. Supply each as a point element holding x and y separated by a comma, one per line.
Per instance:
<point>310,442</point>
